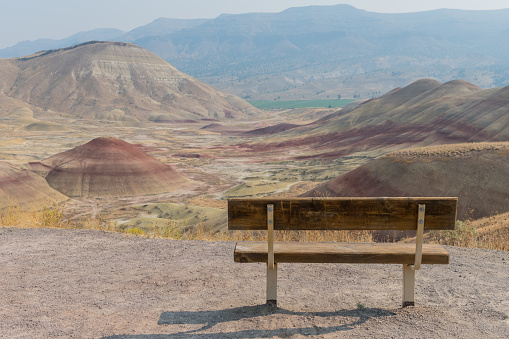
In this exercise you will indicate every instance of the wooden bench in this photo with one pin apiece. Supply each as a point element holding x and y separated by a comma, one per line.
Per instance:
<point>342,214</point>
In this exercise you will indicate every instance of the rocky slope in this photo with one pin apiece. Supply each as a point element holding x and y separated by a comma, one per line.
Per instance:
<point>423,113</point>
<point>476,173</point>
<point>114,81</point>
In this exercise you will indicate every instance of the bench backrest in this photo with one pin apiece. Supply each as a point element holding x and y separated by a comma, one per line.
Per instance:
<point>341,213</point>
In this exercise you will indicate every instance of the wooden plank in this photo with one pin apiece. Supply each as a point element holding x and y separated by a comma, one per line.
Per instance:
<point>354,253</point>
<point>341,213</point>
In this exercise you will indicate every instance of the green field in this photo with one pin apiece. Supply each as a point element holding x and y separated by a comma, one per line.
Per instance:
<point>289,104</point>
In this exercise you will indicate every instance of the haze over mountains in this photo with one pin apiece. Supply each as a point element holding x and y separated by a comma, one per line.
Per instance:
<point>325,51</point>
<point>161,26</point>
<point>111,81</point>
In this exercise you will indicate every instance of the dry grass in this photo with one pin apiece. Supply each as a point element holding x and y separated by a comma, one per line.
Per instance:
<point>317,236</point>
<point>448,151</point>
<point>48,217</point>
<point>54,217</point>
<point>489,233</point>
<point>173,230</point>
<point>16,216</point>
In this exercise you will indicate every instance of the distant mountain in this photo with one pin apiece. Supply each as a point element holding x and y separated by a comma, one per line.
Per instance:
<point>323,51</point>
<point>30,47</point>
<point>114,81</point>
<point>159,27</point>
<point>423,113</point>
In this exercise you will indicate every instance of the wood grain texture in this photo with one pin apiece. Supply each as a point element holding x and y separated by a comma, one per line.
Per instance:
<point>341,213</point>
<point>355,253</point>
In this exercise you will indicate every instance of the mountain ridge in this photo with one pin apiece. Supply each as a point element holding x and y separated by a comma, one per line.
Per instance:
<point>333,49</point>
<point>322,51</point>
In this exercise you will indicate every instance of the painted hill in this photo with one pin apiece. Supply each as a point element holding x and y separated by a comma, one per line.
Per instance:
<point>21,187</point>
<point>109,167</point>
<point>476,173</point>
<point>423,113</point>
<point>114,81</point>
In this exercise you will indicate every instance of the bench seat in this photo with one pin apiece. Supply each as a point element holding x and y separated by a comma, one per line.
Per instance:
<point>337,252</point>
<point>342,214</point>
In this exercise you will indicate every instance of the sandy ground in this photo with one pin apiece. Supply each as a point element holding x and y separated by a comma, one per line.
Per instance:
<point>90,284</point>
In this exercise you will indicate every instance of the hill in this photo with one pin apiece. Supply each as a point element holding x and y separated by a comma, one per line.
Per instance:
<point>30,47</point>
<point>12,109</point>
<point>423,113</point>
<point>476,173</point>
<point>114,81</point>
<point>109,167</point>
<point>21,187</point>
<point>159,27</point>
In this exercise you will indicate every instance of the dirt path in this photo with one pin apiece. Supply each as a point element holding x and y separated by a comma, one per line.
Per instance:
<point>88,284</point>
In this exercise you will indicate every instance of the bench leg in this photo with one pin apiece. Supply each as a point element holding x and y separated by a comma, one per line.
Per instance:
<point>408,286</point>
<point>272,285</point>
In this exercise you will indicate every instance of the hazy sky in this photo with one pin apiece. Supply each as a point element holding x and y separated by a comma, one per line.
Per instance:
<point>57,19</point>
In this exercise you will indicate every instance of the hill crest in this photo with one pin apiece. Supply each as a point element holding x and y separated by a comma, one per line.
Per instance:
<point>476,173</point>
<point>110,167</point>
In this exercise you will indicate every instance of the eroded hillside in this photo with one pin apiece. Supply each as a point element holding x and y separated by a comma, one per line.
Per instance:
<point>114,82</point>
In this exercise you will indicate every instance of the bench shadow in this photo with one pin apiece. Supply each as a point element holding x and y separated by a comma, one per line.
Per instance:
<point>211,318</point>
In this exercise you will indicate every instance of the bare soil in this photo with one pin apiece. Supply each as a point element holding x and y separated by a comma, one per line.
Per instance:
<point>91,284</point>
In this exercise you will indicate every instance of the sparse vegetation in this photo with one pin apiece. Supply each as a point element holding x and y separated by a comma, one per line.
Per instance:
<point>54,217</point>
<point>489,233</point>
<point>307,236</point>
<point>448,151</point>
<point>464,235</point>
<point>50,217</point>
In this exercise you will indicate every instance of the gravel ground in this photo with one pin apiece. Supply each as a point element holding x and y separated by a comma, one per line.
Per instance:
<point>90,284</point>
